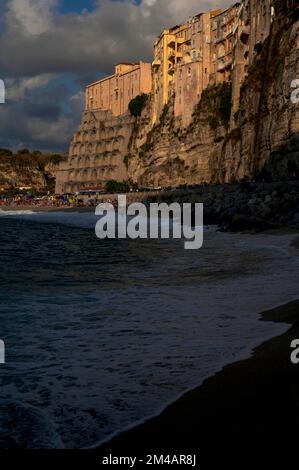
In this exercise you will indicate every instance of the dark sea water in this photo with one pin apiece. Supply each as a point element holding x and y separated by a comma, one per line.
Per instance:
<point>102,334</point>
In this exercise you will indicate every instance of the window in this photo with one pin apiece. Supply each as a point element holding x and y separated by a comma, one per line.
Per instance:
<point>189,71</point>
<point>221,51</point>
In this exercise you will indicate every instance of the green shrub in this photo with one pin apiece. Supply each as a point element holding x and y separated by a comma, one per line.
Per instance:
<point>258,47</point>
<point>119,187</point>
<point>225,106</point>
<point>55,159</point>
<point>214,123</point>
<point>127,160</point>
<point>137,104</point>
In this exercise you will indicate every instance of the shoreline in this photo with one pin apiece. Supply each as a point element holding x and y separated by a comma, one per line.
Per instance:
<point>36,209</point>
<point>240,207</point>
<point>248,404</point>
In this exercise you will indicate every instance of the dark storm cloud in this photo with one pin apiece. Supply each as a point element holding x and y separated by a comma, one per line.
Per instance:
<point>38,41</point>
<point>42,110</point>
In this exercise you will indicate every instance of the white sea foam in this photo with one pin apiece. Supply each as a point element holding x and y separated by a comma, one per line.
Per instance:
<point>69,218</point>
<point>15,213</point>
<point>137,340</point>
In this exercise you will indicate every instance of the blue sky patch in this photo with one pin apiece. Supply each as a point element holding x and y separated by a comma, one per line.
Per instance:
<point>76,6</point>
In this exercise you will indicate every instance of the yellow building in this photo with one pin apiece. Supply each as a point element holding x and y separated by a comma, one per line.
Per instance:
<point>169,50</point>
<point>193,72</point>
<point>222,43</point>
<point>116,91</point>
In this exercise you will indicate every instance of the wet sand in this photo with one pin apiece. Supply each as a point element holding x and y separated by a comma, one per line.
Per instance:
<point>251,404</point>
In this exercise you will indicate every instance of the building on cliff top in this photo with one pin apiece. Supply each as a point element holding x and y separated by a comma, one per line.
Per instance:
<point>116,91</point>
<point>169,51</point>
<point>96,152</point>
<point>192,74</point>
<point>206,50</point>
<point>251,30</point>
<point>190,57</point>
<point>223,28</point>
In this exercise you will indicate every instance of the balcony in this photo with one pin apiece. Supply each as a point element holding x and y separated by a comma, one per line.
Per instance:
<point>245,33</point>
<point>228,33</point>
<point>171,56</point>
<point>171,70</point>
<point>156,64</point>
<point>171,42</point>
<point>186,41</point>
<point>219,38</point>
<point>225,65</point>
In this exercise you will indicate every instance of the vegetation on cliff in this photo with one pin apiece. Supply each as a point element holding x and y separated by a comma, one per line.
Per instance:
<point>120,187</point>
<point>259,142</point>
<point>28,169</point>
<point>137,104</point>
<point>216,102</point>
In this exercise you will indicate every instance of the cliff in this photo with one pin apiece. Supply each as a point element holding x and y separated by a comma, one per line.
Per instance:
<point>267,124</point>
<point>171,155</point>
<point>240,130</point>
<point>25,169</point>
<point>97,152</point>
<point>261,140</point>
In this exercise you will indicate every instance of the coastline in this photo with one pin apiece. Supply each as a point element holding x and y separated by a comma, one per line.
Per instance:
<point>248,404</point>
<point>29,208</point>
<point>240,207</point>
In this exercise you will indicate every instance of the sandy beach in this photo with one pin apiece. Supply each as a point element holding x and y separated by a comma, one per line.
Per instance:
<point>249,404</point>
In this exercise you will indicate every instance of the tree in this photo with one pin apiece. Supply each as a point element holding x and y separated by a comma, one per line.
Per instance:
<point>114,187</point>
<point>137,104</point>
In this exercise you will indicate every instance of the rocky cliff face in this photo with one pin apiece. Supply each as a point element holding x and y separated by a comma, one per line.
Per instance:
<point>267,124</point>
<point>260,141</point>
<point>170,155</point>
<point>97,152</point>
<point>28,171</point>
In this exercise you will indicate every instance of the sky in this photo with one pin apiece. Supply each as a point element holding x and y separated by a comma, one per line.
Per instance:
<point>51,49</point>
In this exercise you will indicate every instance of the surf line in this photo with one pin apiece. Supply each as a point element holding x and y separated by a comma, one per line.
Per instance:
<point>2,92</point>
<point>2,352</point>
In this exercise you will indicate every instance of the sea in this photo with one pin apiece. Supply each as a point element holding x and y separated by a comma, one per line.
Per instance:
<point>102,334</point>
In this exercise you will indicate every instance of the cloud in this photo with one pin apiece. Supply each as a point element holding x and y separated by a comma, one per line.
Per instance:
<point>30,17</point>
<point>16,89</point>
<point>39,44</point>
<point>38,40</point>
